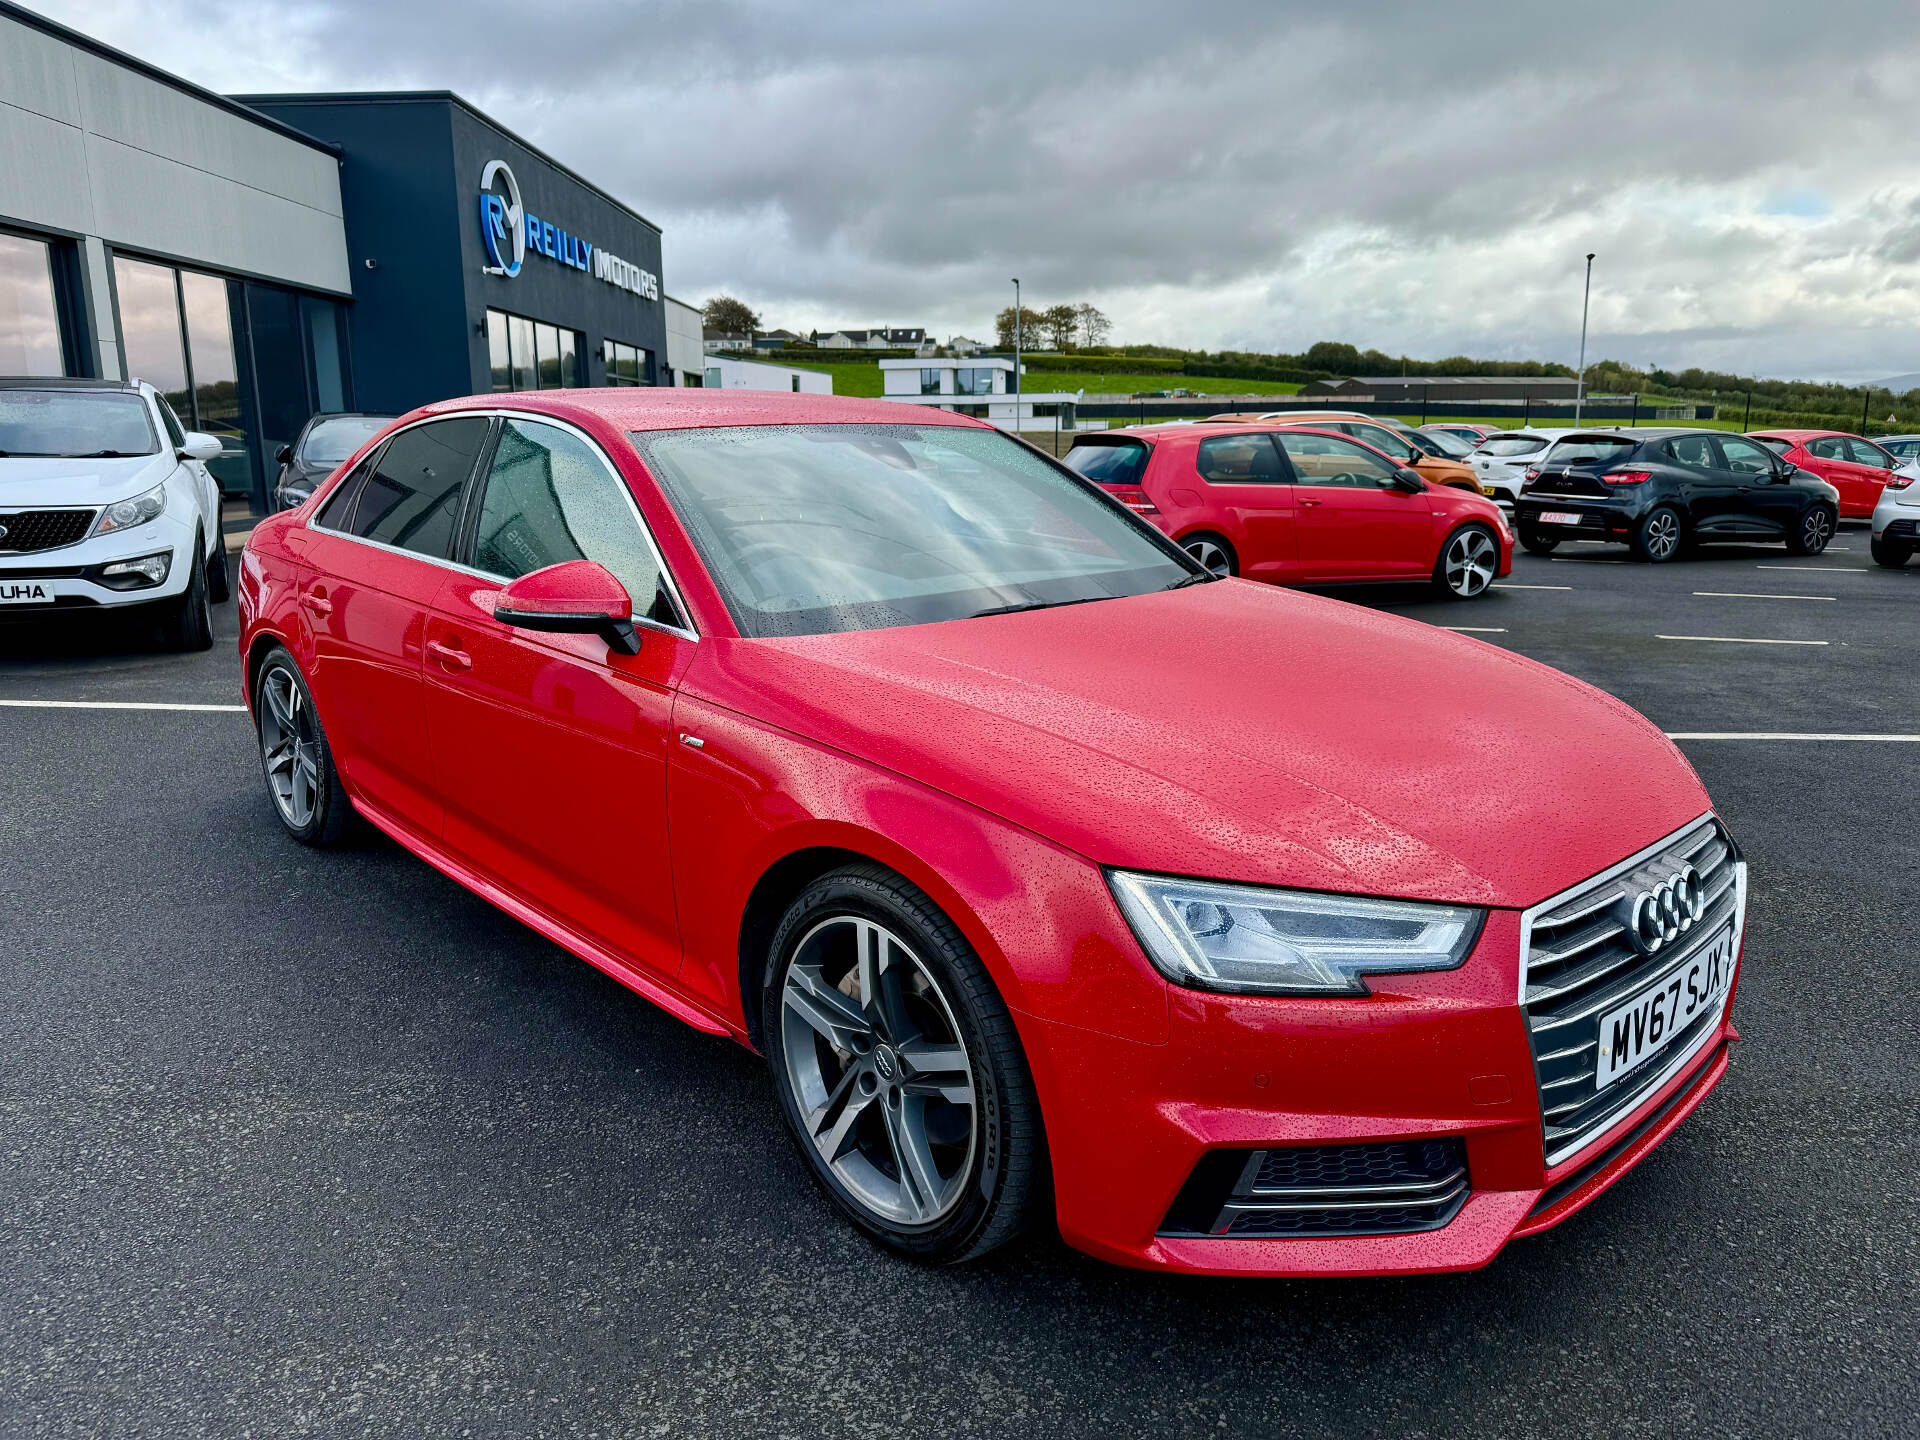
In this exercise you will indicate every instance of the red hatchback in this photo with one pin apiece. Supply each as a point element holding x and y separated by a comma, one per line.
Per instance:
<point>1853,465</point>
<point>1048,871</point>
<point>1296,505</point>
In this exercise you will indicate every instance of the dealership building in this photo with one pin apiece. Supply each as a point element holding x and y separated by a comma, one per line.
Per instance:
<point>264,258</point>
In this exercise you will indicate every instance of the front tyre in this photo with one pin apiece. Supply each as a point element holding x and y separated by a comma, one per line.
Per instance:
<point>898,1069</point>
<point>1656,539</point>
<point>1468,561</point>
<point>188,624</point>
<point>1891,553</point>
<point>1814,532</point>
<point>295,758</point>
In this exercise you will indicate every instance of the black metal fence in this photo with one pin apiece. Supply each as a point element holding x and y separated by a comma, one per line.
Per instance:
<point>1521,412</point>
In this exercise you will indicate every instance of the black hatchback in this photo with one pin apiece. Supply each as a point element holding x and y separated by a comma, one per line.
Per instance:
<point>1657,491</point>
<point>317,451</point>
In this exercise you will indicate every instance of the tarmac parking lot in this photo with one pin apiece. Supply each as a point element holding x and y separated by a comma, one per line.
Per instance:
<point>320,1143</point>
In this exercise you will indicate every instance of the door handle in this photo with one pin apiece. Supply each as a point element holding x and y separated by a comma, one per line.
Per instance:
<point>317,602</point>
<point>448,656</point>
<point>1310,502</point>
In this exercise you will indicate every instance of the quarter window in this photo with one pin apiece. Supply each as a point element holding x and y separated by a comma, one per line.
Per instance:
<point>1325,460</point>
<point>337,512</point>
<point>413,495</point>
<point>1239,459</point>
<point>551,497</point>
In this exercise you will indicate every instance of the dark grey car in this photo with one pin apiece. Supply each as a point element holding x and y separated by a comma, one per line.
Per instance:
<point>323,442</point>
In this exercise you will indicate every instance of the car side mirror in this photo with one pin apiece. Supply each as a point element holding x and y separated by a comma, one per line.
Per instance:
<point>284,455</point>
<point>577,597</point>
<point>1408,479</point>
<point>200,446</point>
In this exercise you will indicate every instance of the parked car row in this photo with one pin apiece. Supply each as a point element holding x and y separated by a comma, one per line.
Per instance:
<point>1054,871</point>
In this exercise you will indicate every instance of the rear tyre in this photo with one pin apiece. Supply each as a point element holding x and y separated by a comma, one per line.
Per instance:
<point>1658,536</point>
<point>1891,553</point>
<point>188,624</point>
<point>219,576</point>
<point>1213,552</point>
<point>1534,543</point>
<point>1813,534</point>
<point>295,758</point>
<point>1468,561</point>
<point>899,1072</point>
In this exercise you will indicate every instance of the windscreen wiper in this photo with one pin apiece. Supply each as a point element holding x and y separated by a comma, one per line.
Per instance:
<point>1037,605</point>
<point>107,455</point>
<point>1185,580</point>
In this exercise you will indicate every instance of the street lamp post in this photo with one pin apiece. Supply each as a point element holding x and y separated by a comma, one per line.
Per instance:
<point>1580,388</point>
<point>1016,353</point>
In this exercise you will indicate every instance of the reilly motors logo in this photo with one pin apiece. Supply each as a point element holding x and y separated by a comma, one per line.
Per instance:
<point>503,219</point>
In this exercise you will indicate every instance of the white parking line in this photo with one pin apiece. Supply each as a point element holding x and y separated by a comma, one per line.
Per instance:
<point>1738,640</point>
<point>1477,629</point>
<point>1783,735</point>
<point>1502,585</point>
<point>113,705</point>
<point>1746,595</point>
<point>1823,569</point>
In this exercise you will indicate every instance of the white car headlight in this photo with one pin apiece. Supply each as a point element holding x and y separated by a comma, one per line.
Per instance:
<point>1254,939</point>
<point>125,514</point>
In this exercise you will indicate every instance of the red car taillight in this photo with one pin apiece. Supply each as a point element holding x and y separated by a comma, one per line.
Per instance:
<point>1532,475</point>
<point>1133,497</point>
<point>1627,477</point>
<point>1897,481</point>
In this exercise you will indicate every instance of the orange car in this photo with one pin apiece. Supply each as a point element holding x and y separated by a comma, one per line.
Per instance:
<point>1436,469</point>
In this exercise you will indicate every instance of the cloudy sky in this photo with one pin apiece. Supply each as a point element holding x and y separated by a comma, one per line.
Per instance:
<point>1421,178</point>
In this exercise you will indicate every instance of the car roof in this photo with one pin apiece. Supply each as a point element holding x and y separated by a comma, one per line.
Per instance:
<point>61,382</point>
<point>643,407</point>
<point>1803,434</point>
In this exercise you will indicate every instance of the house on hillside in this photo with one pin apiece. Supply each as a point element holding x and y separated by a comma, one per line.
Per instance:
<point>900,337</point>
<point>718,341</point>
<point>779,340</point>
<point>963,345</point>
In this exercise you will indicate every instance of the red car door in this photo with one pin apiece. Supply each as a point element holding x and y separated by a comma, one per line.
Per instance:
<point>377,562</point>
<point>1872,465</point>
<point>1243,493</point>
<point>1353,522</point>
<point>551,750</point>
<point>1828,457</point>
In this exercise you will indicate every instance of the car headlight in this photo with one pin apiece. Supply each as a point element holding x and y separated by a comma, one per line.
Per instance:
<point>1254,939</point>
<point>125,514</point>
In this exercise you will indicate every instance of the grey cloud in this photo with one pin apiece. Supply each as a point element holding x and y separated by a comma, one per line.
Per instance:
<point>1411,176</point>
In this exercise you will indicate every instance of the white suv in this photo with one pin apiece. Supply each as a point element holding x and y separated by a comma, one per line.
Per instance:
<point>105,502</point>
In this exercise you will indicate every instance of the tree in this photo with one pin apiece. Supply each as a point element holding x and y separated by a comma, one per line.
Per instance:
<point>1332,356</point>
<point>730,316</point>
<point>1061,323</point>
<point>1032,323</point>
<point>1094,327</point>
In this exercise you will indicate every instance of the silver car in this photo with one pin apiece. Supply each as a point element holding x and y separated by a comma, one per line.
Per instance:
<point>1896,519</point>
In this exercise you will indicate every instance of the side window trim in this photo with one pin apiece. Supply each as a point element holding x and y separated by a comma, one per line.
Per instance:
<point>349,493</point>
<point>467,525</point>
<point>686,628</point>
<point>358,478</point>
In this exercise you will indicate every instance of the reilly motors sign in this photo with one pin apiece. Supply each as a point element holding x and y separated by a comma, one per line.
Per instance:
<point>509,232</point>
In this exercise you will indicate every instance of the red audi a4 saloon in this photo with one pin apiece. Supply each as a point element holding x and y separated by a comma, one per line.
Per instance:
<point>1299,505</point>
<point>1050,873</point>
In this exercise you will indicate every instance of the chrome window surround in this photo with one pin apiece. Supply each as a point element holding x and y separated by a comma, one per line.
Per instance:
<point>1646,1088</point>
<point>535,417</point>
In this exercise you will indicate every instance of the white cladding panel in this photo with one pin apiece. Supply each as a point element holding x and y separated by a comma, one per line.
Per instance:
<point>686,349</point>
<point>101,149</point>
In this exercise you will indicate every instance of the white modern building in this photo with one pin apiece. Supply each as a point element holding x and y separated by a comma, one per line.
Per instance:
<point>980,386</point>
<point>686,349</point>
<point>726,373</point>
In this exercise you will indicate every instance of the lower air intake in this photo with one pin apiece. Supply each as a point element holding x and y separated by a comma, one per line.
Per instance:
<point>1391,1187</point>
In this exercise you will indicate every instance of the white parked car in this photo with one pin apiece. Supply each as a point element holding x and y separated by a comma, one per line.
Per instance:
<point>106,503</point>
<point>1501,462</point>
<point>1896,519</point>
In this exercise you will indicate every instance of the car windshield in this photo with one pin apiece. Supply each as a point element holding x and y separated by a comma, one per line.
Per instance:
<point>104,423</point>
<point>1779,447</point>
<point>1591,450</point>
<point>810,529</point>
<point>1440,442</point>
<point>1510,445</point>
<point>331,441</point>
<point>1905,449</point>
<point>1109,464</point>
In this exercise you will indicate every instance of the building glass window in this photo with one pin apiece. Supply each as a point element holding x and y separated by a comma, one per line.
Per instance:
<point>930,382</point>
<point>973,381</point>
<point>216,376</point>
<point>29,319</point>
<point>628,365</point>
<point>150,327</point>
<point>525,354</point>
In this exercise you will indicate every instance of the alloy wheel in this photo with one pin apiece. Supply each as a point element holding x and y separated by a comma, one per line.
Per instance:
<point>1210,555</point>
<point>879,1070</point>
<point>1471,560</point>
<point>287,743</point>
<point>1816,530</point>
<point>1663,534</point>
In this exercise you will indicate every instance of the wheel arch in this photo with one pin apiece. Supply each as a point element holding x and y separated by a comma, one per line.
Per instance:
<point>777,888</point>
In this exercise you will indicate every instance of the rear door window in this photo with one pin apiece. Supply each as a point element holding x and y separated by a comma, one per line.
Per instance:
<point>1865,452</point>
<point>1109,462</point>
<point>1239,460</point>
<point>412,498</point>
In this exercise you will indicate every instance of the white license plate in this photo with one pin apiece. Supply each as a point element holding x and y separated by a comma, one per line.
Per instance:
<point>1560,517</point>
<point>1631,1032</point>
<point>26,592</point>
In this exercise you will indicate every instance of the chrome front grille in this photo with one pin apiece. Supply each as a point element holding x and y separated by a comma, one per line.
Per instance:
<point>1580,962</point>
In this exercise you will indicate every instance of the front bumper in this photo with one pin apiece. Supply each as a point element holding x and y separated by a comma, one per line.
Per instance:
<point>1440,1057</point>
<point>70,578</point>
